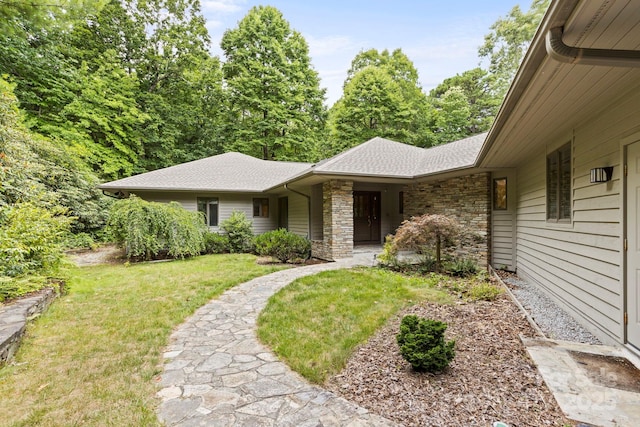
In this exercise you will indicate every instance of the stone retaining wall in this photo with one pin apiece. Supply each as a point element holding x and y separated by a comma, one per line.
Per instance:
<point>14,318</point>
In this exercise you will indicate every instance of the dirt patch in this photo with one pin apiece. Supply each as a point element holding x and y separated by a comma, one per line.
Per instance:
<point>491,378</point>
<point>107,254</point>
<point>609,371</point>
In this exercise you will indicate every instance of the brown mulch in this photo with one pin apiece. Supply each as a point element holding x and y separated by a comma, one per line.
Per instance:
<point>490,379</point>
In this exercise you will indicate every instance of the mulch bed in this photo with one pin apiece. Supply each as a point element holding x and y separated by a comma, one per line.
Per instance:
<point>490,379</point>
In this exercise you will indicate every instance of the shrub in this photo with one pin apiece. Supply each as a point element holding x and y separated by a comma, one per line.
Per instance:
<point>147,228</point>
<point>31,239</point>
<point>422,344</point>
<point>239,232</point>
<point>462,267</point>
<point>389,255</point>
<point>215,243</point>
<point>283,245</point>
<point>484,291</point>
<point>427,232</point>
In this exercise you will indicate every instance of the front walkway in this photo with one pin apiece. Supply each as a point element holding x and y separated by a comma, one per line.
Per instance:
<point>218,374</point>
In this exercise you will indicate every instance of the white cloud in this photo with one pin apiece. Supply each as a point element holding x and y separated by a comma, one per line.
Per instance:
<point>222,6</point>
<point>329,45</point>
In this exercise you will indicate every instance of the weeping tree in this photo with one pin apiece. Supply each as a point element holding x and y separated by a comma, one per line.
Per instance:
<point>429,231</point>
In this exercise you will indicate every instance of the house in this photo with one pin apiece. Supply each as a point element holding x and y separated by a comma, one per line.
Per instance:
<point>354,198</point>
<point>552,191</point>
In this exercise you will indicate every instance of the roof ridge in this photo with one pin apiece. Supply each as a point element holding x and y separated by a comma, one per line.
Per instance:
<point>333,159</point>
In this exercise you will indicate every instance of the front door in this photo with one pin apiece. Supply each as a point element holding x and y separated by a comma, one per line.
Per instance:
<point>366,217</point>
<point>633,244</point>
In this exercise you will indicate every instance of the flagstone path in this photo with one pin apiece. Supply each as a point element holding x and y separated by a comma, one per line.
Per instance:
<point>217,373</point>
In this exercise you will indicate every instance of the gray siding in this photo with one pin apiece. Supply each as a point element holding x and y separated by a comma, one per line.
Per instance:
<point>298,214</point>
<point>228,203</point>
<point>316,212</point>
<point>580,264</point>
<point>503,226</point>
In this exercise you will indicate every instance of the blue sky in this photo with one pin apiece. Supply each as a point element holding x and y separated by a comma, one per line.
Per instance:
<point>440,37</point>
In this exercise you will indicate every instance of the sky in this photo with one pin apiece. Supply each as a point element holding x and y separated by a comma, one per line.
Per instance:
<point>440,37</point>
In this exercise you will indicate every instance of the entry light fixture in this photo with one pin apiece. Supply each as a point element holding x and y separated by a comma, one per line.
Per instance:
<point>603,174</point>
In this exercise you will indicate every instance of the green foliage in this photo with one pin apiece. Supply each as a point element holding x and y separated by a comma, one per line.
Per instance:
<point>239,231</point>
<point>452,116</point>
<point>34,169</point>
<point>275,101</point>
<point>283,245</point>
<point>484,291</point>
<point>508,41</point>
<point>482,103</point>
<point>389,255</point>
<point>382,97</point>
<point>422,344</point>
<point>215,243</point>
<point>462,267</point>
<point>147,228</point>
<point>30,245</point>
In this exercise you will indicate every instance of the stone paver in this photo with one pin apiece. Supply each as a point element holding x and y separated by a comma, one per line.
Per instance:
<point>218,374</point>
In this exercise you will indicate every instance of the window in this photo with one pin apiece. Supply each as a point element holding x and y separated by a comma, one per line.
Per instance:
<point>500,194</point>
<point>209,207</point>
<point>261,207</point>
<point>559,185</point>
<point>401,202</point>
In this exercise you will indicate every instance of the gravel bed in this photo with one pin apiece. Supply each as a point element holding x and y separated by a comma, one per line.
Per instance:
<point>552,320</point>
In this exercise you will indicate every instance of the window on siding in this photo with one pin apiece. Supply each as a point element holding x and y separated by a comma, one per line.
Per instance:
<point>261,207</point>
<point>500,194</point>
<point>559,184</point>
<point>209,207</point>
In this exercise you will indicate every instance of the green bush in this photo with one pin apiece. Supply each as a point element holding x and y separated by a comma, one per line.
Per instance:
<point>462,267</point>
<point>215,243</point>
<point>283,245</point>
<point>148,228</point>
<point>484,291</point>
<point>239,232</point>
<point>422,344</point>
<point>31,239</point>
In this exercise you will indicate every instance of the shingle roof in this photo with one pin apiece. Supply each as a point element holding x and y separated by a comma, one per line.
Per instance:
<point>225,172</point>
<point>451,156</point>
<point>381,157</point>
<point>235,172</point>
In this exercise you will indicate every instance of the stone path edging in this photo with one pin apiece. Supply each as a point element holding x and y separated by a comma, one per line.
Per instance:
<point>217,373</point>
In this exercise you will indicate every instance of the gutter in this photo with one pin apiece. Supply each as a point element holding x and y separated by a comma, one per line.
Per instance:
<point>286,187</point>
<point>557,50</point>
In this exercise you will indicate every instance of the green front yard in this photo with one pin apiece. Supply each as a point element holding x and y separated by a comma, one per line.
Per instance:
<point>92,358</point>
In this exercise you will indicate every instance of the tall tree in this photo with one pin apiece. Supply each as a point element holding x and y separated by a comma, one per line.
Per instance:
<point>452,116</point>
<point>476,85</point>
<point>382,97</point>
<point>275,101</point>
<point>508,41</point>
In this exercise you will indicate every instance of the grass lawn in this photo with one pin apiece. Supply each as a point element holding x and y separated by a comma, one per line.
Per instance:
<point>92,358</point>
<point>315,323</point>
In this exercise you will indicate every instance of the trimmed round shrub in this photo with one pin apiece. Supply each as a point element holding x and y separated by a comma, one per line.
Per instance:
<point>422,344</point>
<point>283,245</point>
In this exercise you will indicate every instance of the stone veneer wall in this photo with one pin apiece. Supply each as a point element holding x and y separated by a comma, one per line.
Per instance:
<point>337,221</point>
<point>466,198</point>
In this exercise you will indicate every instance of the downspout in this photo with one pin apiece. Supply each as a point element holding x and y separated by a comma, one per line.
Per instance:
<point>286,187</point>
<point>556,49</point>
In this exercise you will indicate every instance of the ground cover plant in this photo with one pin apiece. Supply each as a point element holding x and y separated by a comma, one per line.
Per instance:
<point>92,359</point>
<point>315,323</point>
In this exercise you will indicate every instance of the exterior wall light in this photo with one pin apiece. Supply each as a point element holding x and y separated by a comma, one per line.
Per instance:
<point>604,174</point>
